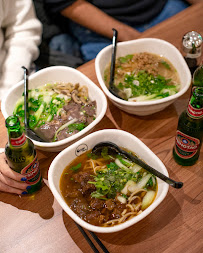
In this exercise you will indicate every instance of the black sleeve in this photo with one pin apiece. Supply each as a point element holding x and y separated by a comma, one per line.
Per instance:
<point>56,6</point>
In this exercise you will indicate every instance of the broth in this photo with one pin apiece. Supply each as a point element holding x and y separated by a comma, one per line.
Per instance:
<point>106,190</point>
<point>144,76</point>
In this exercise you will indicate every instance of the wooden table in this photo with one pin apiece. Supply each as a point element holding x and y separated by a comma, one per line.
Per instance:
<point>38,224</point>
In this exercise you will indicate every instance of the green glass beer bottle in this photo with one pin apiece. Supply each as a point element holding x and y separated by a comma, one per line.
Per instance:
<point>198,78</point>
<point>190,131</point>
<point>21,154</point>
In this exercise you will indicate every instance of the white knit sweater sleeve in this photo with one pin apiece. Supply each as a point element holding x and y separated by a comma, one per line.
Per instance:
<point>22,35</point>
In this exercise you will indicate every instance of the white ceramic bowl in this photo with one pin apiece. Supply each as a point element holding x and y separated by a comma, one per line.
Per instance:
<point>51,75</point>
<point>122,139</point>
<point>151,45</point>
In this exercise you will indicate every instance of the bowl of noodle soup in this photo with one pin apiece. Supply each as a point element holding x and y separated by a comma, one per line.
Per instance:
<point>140,67</point>
<point>63,166</point>
<point>48,84</point>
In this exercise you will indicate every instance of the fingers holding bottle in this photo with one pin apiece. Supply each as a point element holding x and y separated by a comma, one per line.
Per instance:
<point>11,181</point>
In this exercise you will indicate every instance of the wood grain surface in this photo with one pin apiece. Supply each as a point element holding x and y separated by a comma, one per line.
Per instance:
<point>38,224</point>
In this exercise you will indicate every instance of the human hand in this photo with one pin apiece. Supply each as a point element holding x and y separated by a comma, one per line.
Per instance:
<point>11,181</point>
<point>126,33</point>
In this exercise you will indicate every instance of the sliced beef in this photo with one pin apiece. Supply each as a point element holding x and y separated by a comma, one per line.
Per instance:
<point>90,109</point>
<point>89,120</point>
<point>83,114</point>
<point>65,133</point>
<point>47,131</point>
<point>74,111</point>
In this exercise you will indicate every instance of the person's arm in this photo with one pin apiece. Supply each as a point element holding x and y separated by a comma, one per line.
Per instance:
<point>193,1</point>
<point>22,35</point>
<point>89,16</point>
<point>11,181</point>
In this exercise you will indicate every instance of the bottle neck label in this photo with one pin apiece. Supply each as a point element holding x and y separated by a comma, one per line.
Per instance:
<point>186,146</point>
<point>19,141</point>
<point>194,112</point>
<point>32,172</point>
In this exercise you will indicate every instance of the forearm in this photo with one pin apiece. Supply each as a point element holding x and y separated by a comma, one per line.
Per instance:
<point>193,1</point>
<point>91,17</point>
<point>22,35</point>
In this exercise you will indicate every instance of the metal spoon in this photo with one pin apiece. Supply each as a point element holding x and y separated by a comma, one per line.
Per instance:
<point>112,88</point>
<point>113,148</point>
<point>29,132</point>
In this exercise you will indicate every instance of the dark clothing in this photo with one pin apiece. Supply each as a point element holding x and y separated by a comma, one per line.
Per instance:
<point>51,28</point>
<point>133,11</point>
<point>80,41</point>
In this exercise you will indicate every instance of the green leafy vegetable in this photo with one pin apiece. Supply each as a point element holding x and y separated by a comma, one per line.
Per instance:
<point>43,104</point>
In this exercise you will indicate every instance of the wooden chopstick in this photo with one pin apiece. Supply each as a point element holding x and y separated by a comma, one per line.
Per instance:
<point>90,242</point>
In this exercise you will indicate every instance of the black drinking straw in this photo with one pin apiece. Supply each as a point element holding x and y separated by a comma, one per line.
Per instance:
<point>113,57</point>
<point>112,87</point>
<point>31,134</point>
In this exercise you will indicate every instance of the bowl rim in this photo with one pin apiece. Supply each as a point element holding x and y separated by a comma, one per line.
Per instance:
<point>77,135</point>
<point>74,216</point>
<point>151,102</point>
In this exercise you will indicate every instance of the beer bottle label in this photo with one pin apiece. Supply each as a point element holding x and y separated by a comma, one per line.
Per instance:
<point>186,146</point>
<point>19,141</point>
<point>194,112</point>
<point>32,172</point>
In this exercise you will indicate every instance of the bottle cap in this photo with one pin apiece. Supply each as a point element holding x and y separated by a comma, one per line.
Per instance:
<point>192,43</point>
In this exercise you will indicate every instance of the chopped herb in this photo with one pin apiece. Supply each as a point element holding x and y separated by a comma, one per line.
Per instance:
<point>92,156</point>
<point>104,153</point>
<point>150,86</point>
<point>98,195</point>
<point>75,168</point>
<point>125,58</point>
<point>166,64</point>
<point>76,126</point>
